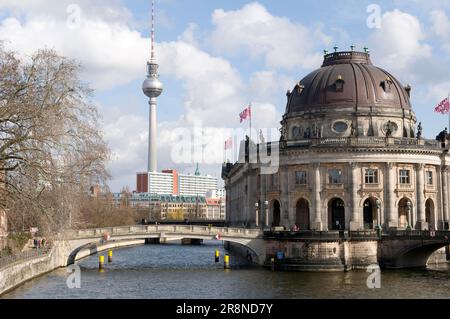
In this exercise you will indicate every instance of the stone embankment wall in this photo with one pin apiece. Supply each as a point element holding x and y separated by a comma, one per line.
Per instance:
<point>21,271</point>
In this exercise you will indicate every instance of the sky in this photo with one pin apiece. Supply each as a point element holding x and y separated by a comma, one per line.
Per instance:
<point>217,56</point>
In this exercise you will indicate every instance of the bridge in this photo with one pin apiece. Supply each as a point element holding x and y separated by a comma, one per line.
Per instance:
<point>396,249</point>
<point>81,243</point>
<point>410,249</point>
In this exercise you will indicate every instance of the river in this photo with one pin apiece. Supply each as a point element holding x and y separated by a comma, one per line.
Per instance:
<point>185,272</point>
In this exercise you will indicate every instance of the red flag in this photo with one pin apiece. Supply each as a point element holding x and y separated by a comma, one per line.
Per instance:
<point>443,107</point>
<point>245,114</point>
<point>228,143</point>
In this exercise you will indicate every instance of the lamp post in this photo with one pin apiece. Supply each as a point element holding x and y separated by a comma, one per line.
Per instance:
<point>266,204</point>
<point>256,215</point>
<point>408,212</point>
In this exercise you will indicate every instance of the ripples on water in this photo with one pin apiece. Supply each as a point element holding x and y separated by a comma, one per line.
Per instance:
<point>184,272</point>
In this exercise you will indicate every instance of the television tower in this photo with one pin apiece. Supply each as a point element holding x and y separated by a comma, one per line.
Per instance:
<point>152,88</point>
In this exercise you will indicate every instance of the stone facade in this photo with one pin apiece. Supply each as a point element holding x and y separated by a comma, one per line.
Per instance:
<point>352,157</point>
<point>323,256</point>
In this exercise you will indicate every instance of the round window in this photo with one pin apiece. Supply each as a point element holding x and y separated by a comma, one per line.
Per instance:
<point>340,127</point>
<point>393,127</point>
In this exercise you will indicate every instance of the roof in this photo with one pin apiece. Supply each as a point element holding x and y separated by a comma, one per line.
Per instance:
<point>348,79</point>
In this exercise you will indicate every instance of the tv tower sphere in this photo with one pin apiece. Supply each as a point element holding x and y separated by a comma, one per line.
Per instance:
<point>152,86</point>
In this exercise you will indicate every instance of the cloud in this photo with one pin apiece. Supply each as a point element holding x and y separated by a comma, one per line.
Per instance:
<point>113,53</point>
<point>103,48</point>
<point>441,27</point>
<point>399,42</point>
<point>253,31</point>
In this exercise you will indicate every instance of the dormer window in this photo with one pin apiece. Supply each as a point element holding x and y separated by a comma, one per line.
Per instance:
<point>386,85</point>
<point>339,84</point>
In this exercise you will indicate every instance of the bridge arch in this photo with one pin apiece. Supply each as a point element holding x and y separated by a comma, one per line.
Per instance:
<point>413,256</point>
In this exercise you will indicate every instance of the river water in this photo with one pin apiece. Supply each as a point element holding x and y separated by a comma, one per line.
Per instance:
<point>185,272</point>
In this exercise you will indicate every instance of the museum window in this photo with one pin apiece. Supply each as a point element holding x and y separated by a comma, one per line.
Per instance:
<point>335,176</point>
<point>371,176</point>
<point>429,177</point>
<point>300,178</point>
<point>405,176</point>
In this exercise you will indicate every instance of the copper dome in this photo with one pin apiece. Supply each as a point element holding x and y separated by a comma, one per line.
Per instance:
<point>348,79</point>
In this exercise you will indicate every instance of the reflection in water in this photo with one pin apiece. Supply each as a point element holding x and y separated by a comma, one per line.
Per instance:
<point>175,271</point>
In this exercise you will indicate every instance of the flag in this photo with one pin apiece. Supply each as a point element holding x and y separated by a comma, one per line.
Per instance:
<point>443,107</point>
<point>245,114</point>
<point>229,143</point>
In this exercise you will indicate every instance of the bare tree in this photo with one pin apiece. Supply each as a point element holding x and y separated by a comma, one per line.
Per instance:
<point>51,147</point>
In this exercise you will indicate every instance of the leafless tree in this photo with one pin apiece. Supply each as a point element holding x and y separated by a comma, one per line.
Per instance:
<point>51,146</point>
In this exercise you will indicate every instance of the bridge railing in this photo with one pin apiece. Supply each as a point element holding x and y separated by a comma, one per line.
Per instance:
<point>181,229</point>
<point>444,234</point>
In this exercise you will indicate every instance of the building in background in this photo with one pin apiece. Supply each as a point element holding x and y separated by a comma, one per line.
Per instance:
<point>215,209</point>
<point>170,182</point>
<point>216,193</point>
<point>164,207</point>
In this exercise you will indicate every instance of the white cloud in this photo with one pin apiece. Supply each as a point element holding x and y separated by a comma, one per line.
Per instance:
<point>253,31</point>
<point>441,27</point>
<point>114,53</point>
<point>398,44</point>
<point>103,48</point>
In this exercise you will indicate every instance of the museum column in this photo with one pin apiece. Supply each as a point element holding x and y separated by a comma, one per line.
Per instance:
<point>355,222</point>
<point>317,224</point>
<point>392,213</point>
<point>446,212</point>
<point>444,179</point>
<point>420,176</point>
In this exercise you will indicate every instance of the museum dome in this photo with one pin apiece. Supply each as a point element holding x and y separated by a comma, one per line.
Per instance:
<point>348,79</point>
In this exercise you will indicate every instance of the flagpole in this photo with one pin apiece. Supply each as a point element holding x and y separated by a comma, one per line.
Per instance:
<point>250,106</point>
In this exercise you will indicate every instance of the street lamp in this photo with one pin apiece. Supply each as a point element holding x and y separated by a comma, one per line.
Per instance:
<point>266,203</point>
<point>256,215</point>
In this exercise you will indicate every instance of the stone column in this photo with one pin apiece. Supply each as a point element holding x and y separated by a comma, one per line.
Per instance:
<point>420,176</point>
<point>284,197</point>
<point>317,223</point>
<point>391,212</point>
<point>444,192</point>
<point>355,222</point>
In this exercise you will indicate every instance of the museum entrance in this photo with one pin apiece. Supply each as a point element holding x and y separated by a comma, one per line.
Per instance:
<point>369,214</point>
<point>276,217</point>
<point>336,213</point>
<point>302,214</point>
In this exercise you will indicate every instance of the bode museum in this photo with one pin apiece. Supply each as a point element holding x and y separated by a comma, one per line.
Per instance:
<point>351,157</point>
